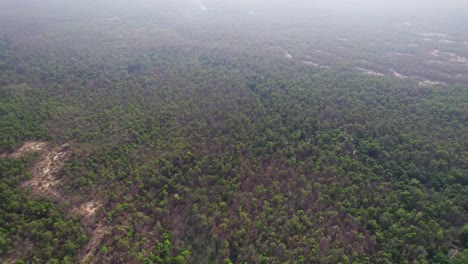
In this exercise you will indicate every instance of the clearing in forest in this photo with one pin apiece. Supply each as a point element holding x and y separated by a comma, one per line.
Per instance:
<point>44,182</point>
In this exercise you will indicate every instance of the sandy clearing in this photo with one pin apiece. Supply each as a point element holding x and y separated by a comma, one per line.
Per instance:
<point>44,179</point>
<point>311,63</point>
<point>111,18</point>
<point>370,72</point>
<point>427,39</point>
<point>446,41</point>
<point>28,147</point>
<point>44,173</point>
<point>433,34</point>
<point>434,53</point>
<point>452,57</point>
<point>88,209</point>
<point>44,182</point>
<point>437,62</point>
<point>426,83</point>
<point>399,75</point>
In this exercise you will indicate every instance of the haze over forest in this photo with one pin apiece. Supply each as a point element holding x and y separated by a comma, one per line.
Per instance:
<point>222,131</point>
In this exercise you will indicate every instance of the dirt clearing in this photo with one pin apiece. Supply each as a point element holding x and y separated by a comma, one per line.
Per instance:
<point>44,182</point>
<point>28,147</point>
<point>44,179</point>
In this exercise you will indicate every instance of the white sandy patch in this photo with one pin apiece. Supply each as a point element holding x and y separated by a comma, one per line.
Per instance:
<point>426,83</point>
<point>458,59</point>
<point>395,53</point>
<point>88,209</point>
<point>109,18</point>
<point>399,75</point>
<point>28,147</point>
<point>455,58</point>
<point>437,62</point>
<point>452,57</point>
<point>433,34</point>
<point>446,41</point>
<point>44,179</point>
<point>435,53</point>
<point>370,72</point>
<point>44,182</point>
<point>311,63</point>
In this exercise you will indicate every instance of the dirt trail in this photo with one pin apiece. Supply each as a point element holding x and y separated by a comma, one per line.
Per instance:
<point>95,240</point>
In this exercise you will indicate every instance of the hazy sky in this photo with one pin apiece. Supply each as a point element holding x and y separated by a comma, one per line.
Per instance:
<point>452,12</point>
<point>417,7</point>
<point>406,6</point>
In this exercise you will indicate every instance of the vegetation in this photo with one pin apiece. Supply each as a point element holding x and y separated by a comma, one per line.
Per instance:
<point>34,230</point>
<point>204,154</point>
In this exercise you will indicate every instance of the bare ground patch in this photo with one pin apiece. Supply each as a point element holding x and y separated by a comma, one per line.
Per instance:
<point>425,83</point>
<point>398,75</point>
<point>44,182</point>
<point>452,57</point>
<point>28,147</point>
<point>433,34</point>
<point>311,63</point>
<point>44,179</point>
<point>370,72</point>
<point>88,209</point>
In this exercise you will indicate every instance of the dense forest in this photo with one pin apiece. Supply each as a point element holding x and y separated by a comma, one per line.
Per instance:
<point>196,145</point>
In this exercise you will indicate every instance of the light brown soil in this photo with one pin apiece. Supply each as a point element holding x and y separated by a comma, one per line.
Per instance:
<point>88,209</point>
<point>28,147</point>
<point>44,179</point>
